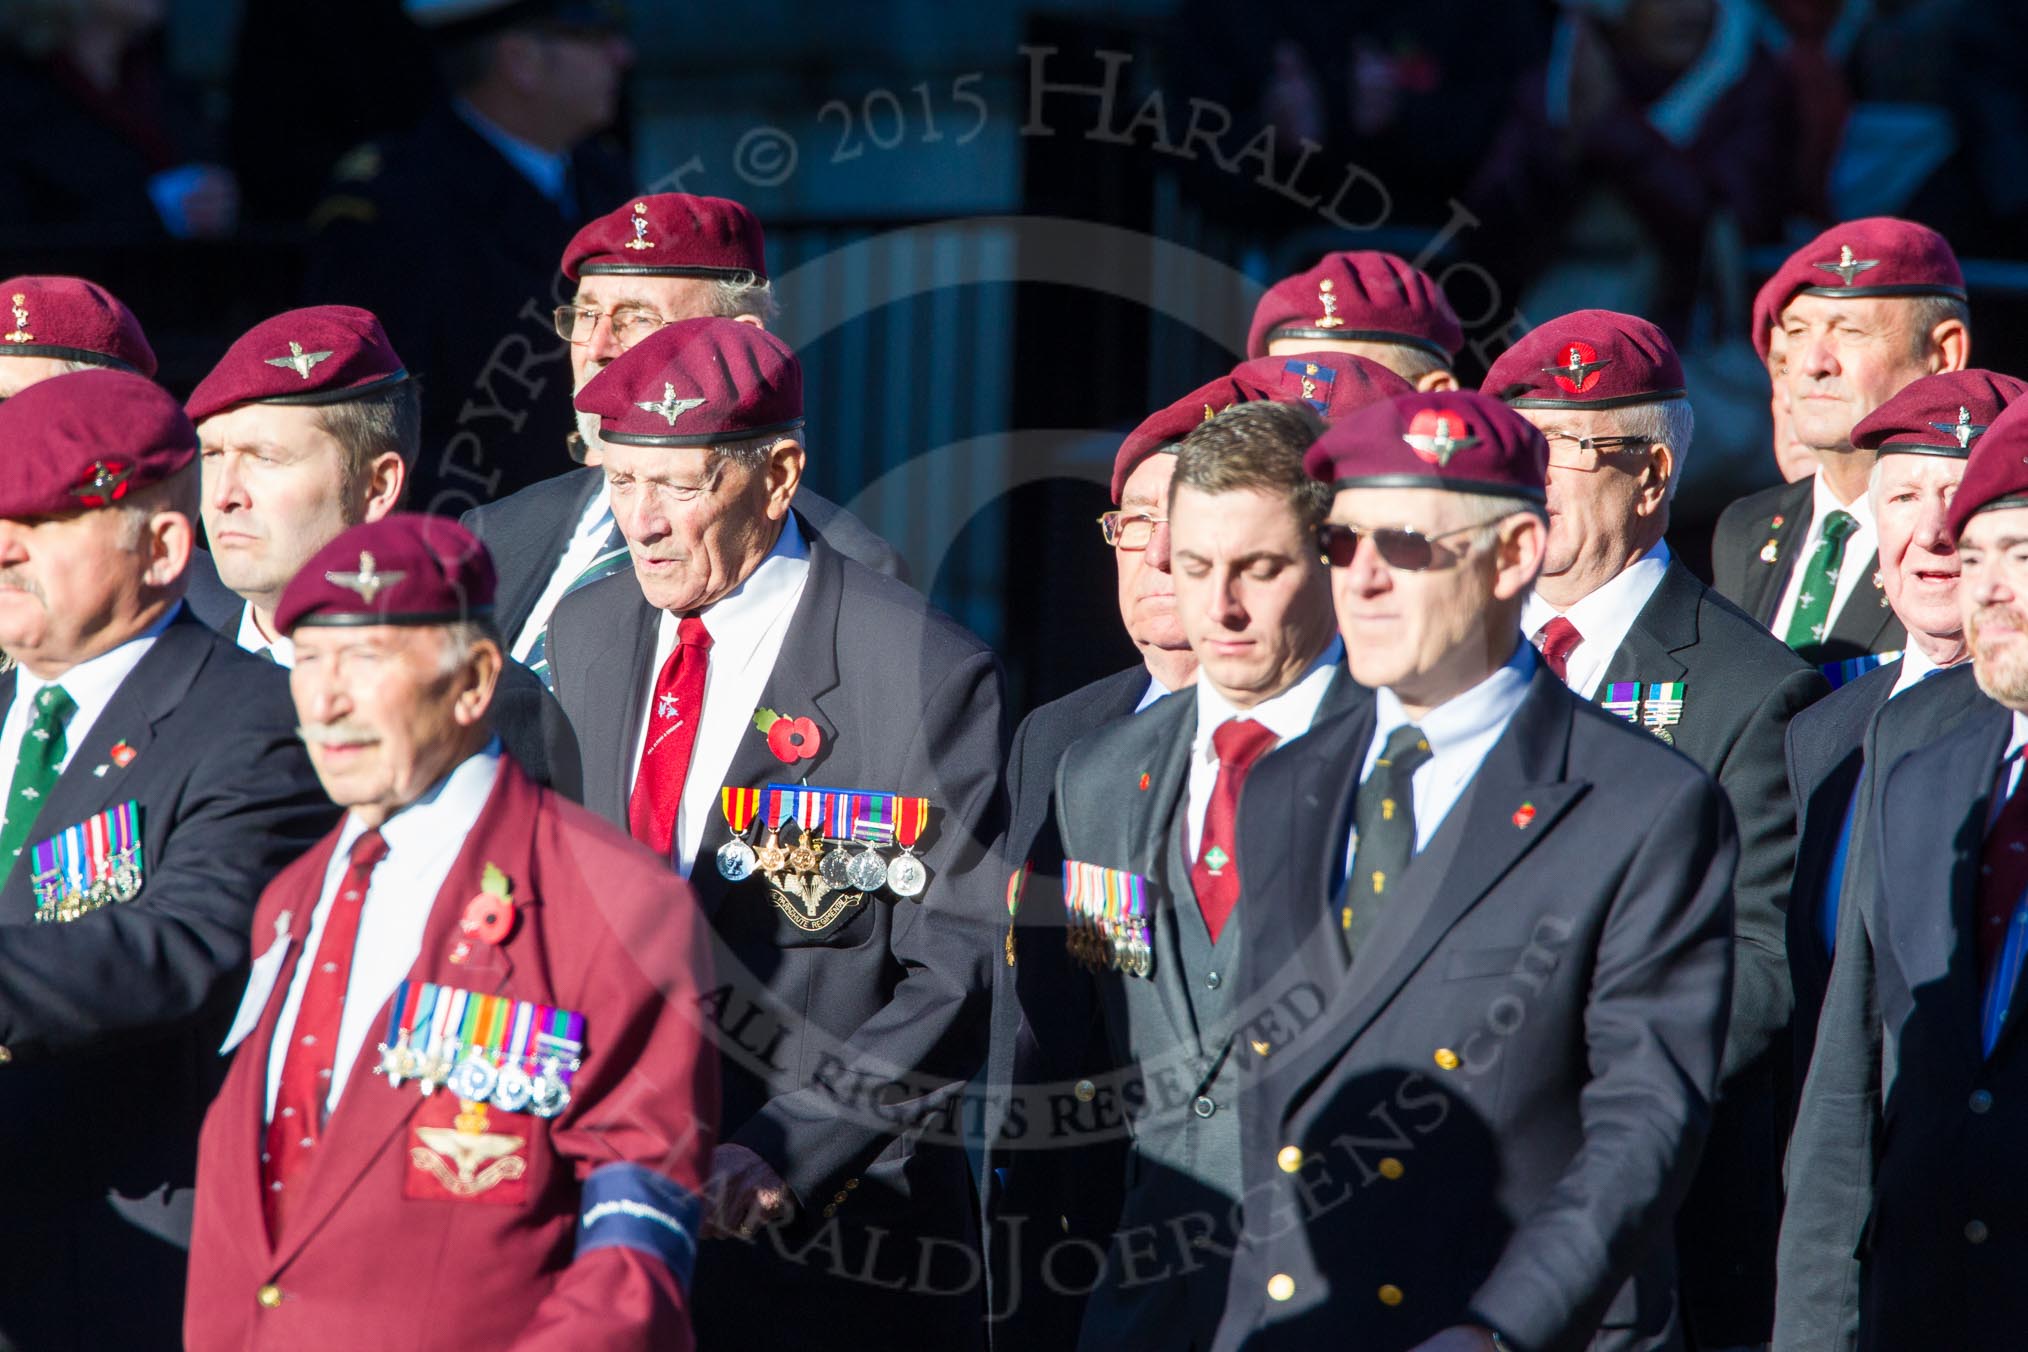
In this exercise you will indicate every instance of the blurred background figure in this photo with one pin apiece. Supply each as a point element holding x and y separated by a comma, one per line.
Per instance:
<point>102,138</point>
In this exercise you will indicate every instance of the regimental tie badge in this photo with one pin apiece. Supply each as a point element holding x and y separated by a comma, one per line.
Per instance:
<point>20,333</point>
<point>298,360</point>
<point>1964,429</point>
<point>103,483</point>
<point>669,406</point>
<point>369,581</point>
<point>1329,304</point>
<point>1431,437</point>
<point>1847,267</point>
<point>640,239</point>
<point>1580,370</point>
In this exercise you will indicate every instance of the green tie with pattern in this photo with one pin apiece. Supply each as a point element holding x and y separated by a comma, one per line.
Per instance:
<point>1383,813</point>
<point>1811,619</point>
<point>42,749</point>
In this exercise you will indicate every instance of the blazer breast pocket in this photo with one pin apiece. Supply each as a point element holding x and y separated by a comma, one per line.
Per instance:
<point>757,913</point>
<point>1467,963</point>
<point>470,1152</point>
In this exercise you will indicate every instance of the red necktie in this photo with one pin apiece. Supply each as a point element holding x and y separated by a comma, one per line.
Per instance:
<point>2003,874</point>
<point>1557,640</point>
<point>672,735</point>
<point>1239,742</point>
<point>298,1122</point>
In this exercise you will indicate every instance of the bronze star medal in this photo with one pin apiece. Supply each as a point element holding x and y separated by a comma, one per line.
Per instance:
<point>298,360</point>
<point>670,407</point>
<point>368,582</point>
<point>1964,429</point>
<point>1847,267</point>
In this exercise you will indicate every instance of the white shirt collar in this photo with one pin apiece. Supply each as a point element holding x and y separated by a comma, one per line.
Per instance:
<point>738,620</point>
<point>1823,502</point>
<point>1287,714</point>
<point>546,169</point>
<point>458,796</point>
<point>92,683</point>
<point>1154,692</point>
<point>2019,738</point>
<point>1462,718</point>
<point>1603,618</point>
<point>253,640</point>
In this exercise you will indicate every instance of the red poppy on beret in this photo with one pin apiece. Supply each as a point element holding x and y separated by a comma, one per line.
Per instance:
<point>321,355</point>
<point>697,382</point>
<point>1361,295</point>
<point>1588,359</point>
<point>405,568</point>
<point>1333,383</point>
<point>1944,414</point>
<point>1458,440</point>
<point>670,234</point>
<point>87,439</point>
<point>71,319</point>
<point>1876,256</point>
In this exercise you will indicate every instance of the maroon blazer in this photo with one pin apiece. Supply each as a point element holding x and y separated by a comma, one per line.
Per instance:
<point>376,1250</point>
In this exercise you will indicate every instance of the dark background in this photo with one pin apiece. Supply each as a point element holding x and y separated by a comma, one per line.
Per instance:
<point>988,285</point>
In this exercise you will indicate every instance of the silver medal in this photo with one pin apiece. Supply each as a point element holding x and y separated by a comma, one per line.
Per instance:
<point>906,877</point>
<point>473,1078</point>
<point>126,883</point>
<point>735,860</point>
<point>835,868</point>
<point>514,1089</point>
<point>868,870</point>
<point>548,1095</point>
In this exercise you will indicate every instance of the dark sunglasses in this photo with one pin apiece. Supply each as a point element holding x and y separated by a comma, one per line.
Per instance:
<point>1408,551</point>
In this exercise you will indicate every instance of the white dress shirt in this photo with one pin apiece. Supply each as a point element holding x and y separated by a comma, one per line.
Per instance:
<point>1460,731</point>
<point>747,628</point>
<point>1603,618</point>
<point>1288,715</point>
<point>593,528</point>
<point>1154,692</point>
<point>91,685</point>
<point>1862,544</point>
<point>1914,666</point>
<point>252,638</point>
<point>423,841</point>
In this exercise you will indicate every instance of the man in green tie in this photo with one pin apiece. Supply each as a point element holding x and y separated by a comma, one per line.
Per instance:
<point>1860,311</point>
<point>154,784</point>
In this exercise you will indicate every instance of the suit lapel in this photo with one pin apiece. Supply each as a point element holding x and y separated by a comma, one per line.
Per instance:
<point>1865,617</point>
<point>1525,766</point>
<point>803,684</point>
<point>625,633</point>
<point>1666,625</point>
<point>1794,511</point>
<point>1154,851</point>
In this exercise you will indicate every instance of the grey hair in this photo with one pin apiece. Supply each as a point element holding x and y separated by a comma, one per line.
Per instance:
<point>462,636</point>
<point>1926,312</point>
<point>753,452</point>
<point>732,297</point>
<point>181,492</point>
<point>1670,422</point>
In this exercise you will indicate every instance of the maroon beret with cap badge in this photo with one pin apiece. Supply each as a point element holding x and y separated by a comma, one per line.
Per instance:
<point>71,319</point>
<point>670,234</point>
<point>1943,414</point>
<point>406,568</point>
<point>1332,383</point>
<point>325,354</point>
<point>1456,440</point>
<point>1876,256</point>
<point>87,439</point>
<point>697,382</point>
<point>1360,295</point>
<point>1588,359</point>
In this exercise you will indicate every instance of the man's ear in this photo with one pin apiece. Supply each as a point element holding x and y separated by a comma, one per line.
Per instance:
<point>386,481</point>
<point>783,474</point>
<point>170,539</point>
<point>1950,346</point>
<point>484,666</point>
<point>1524,540</point>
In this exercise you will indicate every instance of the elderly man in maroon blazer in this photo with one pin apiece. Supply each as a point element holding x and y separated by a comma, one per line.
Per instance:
<point>470,1105</point>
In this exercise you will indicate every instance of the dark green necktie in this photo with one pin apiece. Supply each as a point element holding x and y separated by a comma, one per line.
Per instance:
<point>1811,619</point>
<point>42,749</point>
<point>1384,816</point>
<point>612,557</point>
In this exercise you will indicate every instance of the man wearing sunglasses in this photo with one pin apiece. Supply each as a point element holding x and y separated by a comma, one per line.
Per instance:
<point>1520,912</point>
<point>1628,627</point>
<point>650,262</point>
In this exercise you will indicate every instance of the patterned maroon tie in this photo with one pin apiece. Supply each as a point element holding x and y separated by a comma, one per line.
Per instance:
<point>1558,640</point>
<point>1214,877</point>
<point>672,735</point>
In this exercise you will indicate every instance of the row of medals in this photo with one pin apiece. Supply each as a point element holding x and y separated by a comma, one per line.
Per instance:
<point>123,884</point>
<point>867,871</point>
<point>523,1085</point>
<point>1132,953</point>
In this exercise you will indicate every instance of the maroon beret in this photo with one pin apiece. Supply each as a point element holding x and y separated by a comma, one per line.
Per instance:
<point>405,568</point>
<point>1333,383</point>
<point>1767,315</point>
<point>87,439</point>
<point>1941,414</point>
<point>697,382</point>
<point>1877,256</point>
<point>1361,295</point>
<point>1451,439</point>
<point>1588,359</point>
<point>670,234</point>
<point>323,355</point>
<point>71,319</point>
